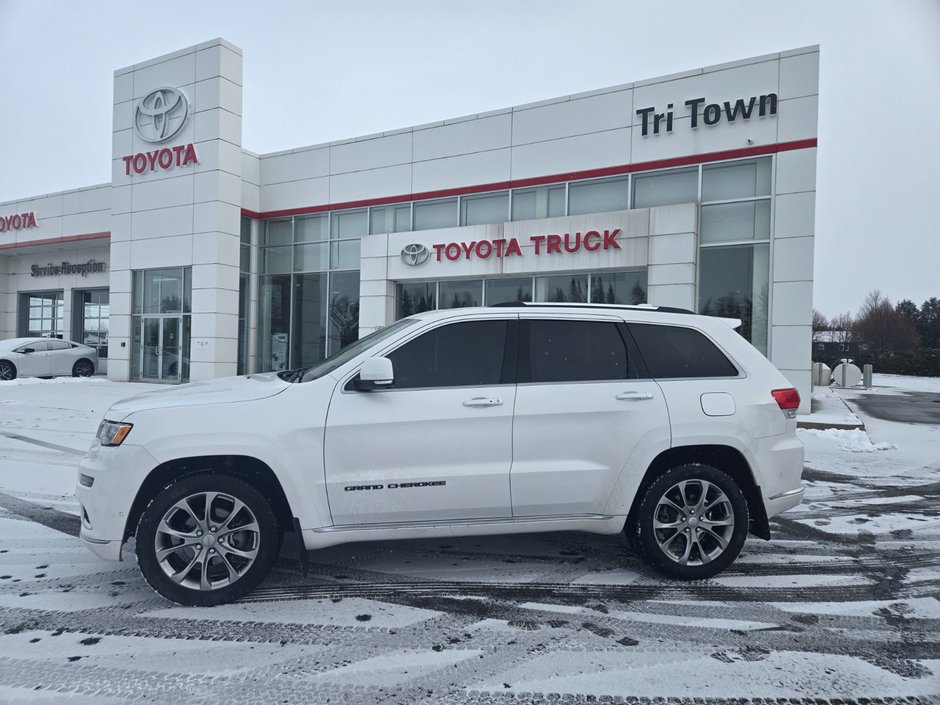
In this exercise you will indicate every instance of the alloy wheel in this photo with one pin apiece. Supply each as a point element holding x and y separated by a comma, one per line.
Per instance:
<point>207,541</point>
<point>693,522</point>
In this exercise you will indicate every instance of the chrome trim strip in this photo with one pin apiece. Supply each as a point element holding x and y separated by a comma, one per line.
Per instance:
<point>464,522</point>
<point>789,493</point>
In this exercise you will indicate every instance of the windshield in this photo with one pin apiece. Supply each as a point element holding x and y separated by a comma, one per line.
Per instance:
<point>348,353</point>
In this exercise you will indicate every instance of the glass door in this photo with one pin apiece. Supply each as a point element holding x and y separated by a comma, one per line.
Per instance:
<point>160,349</point>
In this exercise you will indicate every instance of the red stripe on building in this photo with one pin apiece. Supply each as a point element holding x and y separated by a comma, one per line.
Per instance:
<point>57,240</point>
<point>741,153</point>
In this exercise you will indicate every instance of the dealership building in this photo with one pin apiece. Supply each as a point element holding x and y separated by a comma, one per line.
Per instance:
<point>202,259</point>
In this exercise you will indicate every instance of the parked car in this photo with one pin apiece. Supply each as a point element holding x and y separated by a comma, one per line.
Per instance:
<point>45,357</point>
<point>658,423</point>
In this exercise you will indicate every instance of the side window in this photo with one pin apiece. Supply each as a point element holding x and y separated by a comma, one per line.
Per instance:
<point>36,345</point>
<point>59,345</point>
<point>673,351</point>
<point>456,355</point>
<point>576,351</point>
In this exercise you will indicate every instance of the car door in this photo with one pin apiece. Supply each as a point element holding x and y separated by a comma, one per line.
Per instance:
<point>36,362</point>
<point>60,357</point>
<point>437,445</point>
<point>583,407</point>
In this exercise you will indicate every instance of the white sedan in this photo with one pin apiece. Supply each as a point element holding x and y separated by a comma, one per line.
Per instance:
<point>45,357</point>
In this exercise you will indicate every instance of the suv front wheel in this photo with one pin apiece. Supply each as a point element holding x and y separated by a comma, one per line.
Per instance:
<point>691,522</point>
<point>207,539</point>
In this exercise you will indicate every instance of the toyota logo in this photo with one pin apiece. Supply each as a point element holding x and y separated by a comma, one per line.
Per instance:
<point>161,114</point>
<point>414,254</point>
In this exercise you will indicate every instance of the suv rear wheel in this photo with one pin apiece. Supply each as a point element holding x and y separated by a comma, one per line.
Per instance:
<point>691,522</point>
<point>207,539</point>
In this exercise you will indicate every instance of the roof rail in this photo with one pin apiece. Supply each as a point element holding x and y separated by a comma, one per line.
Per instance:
<point>628,307</point>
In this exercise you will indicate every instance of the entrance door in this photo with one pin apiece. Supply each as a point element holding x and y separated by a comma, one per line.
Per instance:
<point>160,348</point>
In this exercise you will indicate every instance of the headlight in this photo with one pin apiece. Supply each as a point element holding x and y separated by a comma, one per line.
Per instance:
<point>112,433</point>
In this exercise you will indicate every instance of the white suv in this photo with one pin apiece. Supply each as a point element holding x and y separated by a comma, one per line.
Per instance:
<point>656,422</point>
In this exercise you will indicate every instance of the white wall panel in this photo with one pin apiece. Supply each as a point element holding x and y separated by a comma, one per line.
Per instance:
<point>672,249</point>
<point>794,215</point>
<point>370,153</point>
<point>685,140</point>
<point>294,166</point>
<point>793,303</point>
<point>666,220</point>
<point>476,135</point>
<point>608,111</point>
<point>593,151</point>
<point>463,170</point>
<point>295,194</point>
<point>165,193</point>
<point>374,183</point>
<point>161,223</point>
<point>180,71</point>
<point>797,119</point>
<point>796,171</point>
<point>793,259</point>
<point>799,76</point>
<point>792,347</point>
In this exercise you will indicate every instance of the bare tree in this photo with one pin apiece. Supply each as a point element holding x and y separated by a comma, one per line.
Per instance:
<point>883,330</point>
<point>820,327</point>
<point>842,327</point>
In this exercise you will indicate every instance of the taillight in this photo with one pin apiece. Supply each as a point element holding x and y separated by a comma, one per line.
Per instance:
<point>788,400</point>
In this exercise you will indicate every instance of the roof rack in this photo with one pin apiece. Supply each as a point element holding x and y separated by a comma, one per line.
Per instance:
<point>635,307</point>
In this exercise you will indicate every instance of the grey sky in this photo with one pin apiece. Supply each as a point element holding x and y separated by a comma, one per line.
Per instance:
<point>321,71</point>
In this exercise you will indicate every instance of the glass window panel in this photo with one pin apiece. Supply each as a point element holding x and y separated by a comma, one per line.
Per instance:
<point>541,202</point>
<point>138,292</point>
<point>312,258</point>
<point>734,283</point>
<point>674,352</point>
<point>576,351</point>
<point>277,232</point>
<point>244,258</point>
<point>345,254</point>
<point>502,290</point>
<point>349,223</point>
<point>567,288</point>
<point>730,222</point>
<point>722,182</point>
<point>169,285</point>
<point>665,188</point>
<point>461,294</point>
<point>308,339</point>
<point>274,323</point>
<point>344,310</point>
<point>436,214</point>
<point>390,219</point>
<point>456,355</point>
<point>187,306</point>
<point>597,196</point>
<point>625,288</point>
<point>245,231</point>
<point>484,208</point>
<point>416,298</point>
<point>276,260</point>
<point>313,228</point>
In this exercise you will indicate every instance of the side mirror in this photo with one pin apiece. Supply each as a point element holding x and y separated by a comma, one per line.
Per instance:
<point>28,350</point>
<point>376,373</point>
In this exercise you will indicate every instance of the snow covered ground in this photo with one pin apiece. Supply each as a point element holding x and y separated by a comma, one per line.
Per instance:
<point>841,606</point>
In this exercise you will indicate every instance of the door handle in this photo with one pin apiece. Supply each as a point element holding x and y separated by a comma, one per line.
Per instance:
<point>634,396</point>
<point>483,401</point>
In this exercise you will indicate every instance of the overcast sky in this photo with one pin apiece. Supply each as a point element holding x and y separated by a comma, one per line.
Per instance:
<point>321,71</point>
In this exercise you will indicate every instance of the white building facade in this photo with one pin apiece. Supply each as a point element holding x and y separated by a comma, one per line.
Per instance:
<point>201,259</point>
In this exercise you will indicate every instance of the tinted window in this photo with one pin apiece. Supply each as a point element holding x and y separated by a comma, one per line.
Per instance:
<point>456,355</point>
<point>576,351</point>
<point>59,345</point>
<point>35,346</point>
<point>671,351</point>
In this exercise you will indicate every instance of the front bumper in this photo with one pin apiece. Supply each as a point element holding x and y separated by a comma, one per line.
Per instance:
<point>784,501</point>
<point>116,475</point>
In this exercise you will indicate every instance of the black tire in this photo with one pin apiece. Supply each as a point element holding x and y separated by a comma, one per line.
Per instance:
<point>7,371</point>
<point>714,545</point>
<point>209,582</point>
<point>83,368</point>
